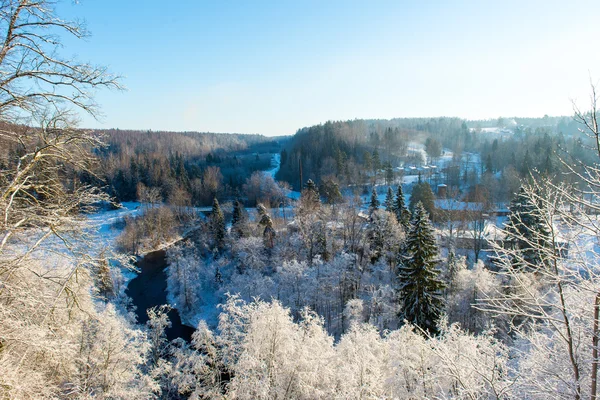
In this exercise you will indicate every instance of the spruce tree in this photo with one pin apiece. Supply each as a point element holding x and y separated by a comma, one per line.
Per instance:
<point>527,231</point>
<point>422,193</point>
<point>237,213</point>
<point>389,173</point>
<point>402,213</point>
<point>321,245</point>
<point>389,200</point>
<point>238,219</point>
<point>374,204</point>
<point>420,284</point>
<point>217,222</point>
<point>489,167</point>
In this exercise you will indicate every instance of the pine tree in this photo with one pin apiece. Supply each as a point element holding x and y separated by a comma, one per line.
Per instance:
<point>311,186</point>
<point>402,213</point>
<point>238,219</point>
<point>527,231</point>
<point>310,198</point>
<point>420,285</point>
<point>331,191</point>
<point>374,204</point>
<point>264,219</point>
<point>217,222</point>
<point>389,200</point>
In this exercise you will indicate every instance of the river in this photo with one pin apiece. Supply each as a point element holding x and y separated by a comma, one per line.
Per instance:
<point>149,289</point>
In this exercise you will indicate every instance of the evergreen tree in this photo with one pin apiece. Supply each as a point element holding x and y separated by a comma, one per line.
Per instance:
<point>311,186</point>
<point>375,164</point>
<point>340,161</point>
<point>237,213</point>
<point>389,200</point>
<point>526,165</point>
<point>321,242</point>
<point>238,219</point>
<point>310,198</point>
<point>374,204</point>
<point>548,167</point>
<point>331,191</point>
<point>454,264</point>
<point>264,219</point>
<point>217,224</point>
<point>422,193</point>
<point>420,285</point>
<point>489,168</point>
<point>376,161</point>
<point>367,161</point>
<point>389,173</point>
<point>527,231</point>
<point>402,213</point>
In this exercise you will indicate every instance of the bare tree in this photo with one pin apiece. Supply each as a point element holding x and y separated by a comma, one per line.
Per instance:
<point>33,75</point>
<point>551,300</point>
<point>42,157</point>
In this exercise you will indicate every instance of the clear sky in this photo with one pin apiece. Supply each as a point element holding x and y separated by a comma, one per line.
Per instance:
<point>273,67</point>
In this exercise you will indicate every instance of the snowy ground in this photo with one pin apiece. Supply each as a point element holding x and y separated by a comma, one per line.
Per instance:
<point>275,165</point>
<point>104,222</point>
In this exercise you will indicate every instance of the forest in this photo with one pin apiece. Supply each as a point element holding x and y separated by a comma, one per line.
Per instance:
<point>410,258</point>
<point>187,168</point>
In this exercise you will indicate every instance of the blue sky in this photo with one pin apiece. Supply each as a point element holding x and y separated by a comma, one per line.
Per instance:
<point>273,67</point>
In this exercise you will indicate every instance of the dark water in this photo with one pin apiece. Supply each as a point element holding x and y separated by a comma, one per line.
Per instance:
<point>149,289</point>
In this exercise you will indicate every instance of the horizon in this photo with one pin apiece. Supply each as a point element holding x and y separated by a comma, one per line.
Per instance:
<point>272,68</point>
<point>321,123</point>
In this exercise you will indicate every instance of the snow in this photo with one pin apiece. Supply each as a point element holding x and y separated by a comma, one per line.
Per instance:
<point>452,205</point>
<point>104,221</point>
<point>275,164</point>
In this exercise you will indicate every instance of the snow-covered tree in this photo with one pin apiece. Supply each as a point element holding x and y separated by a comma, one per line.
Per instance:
<point>184,278</point>
<point>468,288</point>
<point>419,279</point>
<point>385,237</point>
<point>527,230</point>
<point>537,304</point>
<point>310,199</point>
<point>217,224</point>
<point>401,211</point>
<point>250,253</point>
<point>269,355</point>
<point>374,203</point>
<point>265,221</point>
<point>422,193</point>
<point>389,200</point>
<point>239,219</point>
